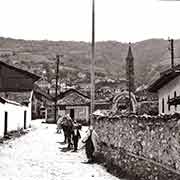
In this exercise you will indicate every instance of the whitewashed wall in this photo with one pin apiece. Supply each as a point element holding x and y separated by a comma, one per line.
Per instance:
<point>1,119</point>
<point>15,116</point>
<point>166,90</point>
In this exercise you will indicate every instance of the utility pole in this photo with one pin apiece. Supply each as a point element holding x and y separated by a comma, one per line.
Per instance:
<point>171,48</point>
<point>92,62</point>
<point>56,88</point>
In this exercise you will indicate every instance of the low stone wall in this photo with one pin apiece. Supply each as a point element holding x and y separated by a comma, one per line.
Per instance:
<point>147,148</point>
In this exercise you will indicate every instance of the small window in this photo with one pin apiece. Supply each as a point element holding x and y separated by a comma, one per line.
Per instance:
<point>175,97</point>
<point>162,105</point>
<point>168,103</point>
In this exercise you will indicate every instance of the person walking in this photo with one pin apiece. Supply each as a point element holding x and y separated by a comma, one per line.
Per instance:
<point>59,127</point>
<point>76,135</point>
<point>68,128</point>
<point>90,140</point>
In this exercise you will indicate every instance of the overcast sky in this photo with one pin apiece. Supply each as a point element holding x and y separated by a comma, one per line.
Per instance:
<point>120,20</point>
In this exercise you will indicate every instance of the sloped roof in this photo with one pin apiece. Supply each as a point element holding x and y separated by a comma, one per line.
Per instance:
<point>141,88</point>
<point>19,97</point>
<point>165,77</point>
<point>70,91</point>
<point>13,79</point>
<point>24,97</point>
<point>2,100</point>
<point>38,90</point>
<point>72,97</point>
<point>35,77</point>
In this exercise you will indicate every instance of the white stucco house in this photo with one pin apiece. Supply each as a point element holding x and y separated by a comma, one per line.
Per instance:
<point>168,89</point>
<point>13,114</point>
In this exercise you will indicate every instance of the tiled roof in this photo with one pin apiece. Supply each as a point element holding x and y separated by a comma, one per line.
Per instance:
<point>19,97</point>
<point>164,78</point>
<point>20,70</point>
<point>39,91</point>
<point>73,99</point>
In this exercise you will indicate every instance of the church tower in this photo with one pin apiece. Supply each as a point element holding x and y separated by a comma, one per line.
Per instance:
<point>130,70</point>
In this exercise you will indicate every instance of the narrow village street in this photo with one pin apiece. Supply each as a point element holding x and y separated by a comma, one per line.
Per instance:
<point>39,155</point>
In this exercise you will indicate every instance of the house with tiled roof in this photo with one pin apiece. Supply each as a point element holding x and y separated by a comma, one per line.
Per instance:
<point>76,104</point>
<point>40,101</point>
<point>168,88</point>
<point>15,110</point>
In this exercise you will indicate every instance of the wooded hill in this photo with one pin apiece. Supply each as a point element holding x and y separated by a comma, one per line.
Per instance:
<point>150,56</point>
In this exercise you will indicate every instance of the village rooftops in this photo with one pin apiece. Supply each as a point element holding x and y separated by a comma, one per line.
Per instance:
<point>73,97</point>
<point>111,83</point>
<point>69,91</point>
<point>38,90</point>
<point>165,77</point>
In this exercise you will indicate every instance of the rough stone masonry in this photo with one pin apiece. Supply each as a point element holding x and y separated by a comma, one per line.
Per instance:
<point>144,147</point>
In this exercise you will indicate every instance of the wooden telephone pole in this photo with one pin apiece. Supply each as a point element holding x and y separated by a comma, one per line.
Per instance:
<point>56,88</point>
<point>92,62</point>
<point>171,41</point>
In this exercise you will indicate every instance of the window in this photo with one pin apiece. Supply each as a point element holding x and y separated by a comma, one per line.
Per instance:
<point>168,103</point>
<point>162,105</point>
<point>174,97</point>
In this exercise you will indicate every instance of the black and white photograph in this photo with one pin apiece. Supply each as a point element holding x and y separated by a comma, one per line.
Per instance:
<point>89,90</point>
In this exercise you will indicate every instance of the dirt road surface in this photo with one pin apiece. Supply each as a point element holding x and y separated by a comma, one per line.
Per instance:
<point>41,155</point>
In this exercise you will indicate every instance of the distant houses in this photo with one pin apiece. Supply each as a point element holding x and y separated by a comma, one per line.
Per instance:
<point>40,101</point>
<point>107,89</point>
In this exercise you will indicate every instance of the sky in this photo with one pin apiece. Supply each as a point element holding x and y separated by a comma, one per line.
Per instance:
<point>119,20</point>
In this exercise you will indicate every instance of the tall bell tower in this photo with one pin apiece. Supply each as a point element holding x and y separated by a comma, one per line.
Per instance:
<point>130,70</point>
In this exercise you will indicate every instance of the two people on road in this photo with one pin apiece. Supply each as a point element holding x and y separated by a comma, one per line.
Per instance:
<point>70,130</point>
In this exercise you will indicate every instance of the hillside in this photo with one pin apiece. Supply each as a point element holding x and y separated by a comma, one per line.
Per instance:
<point>150,56</point>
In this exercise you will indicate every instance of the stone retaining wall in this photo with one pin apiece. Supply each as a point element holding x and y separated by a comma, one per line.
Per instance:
<point>147,148</point>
